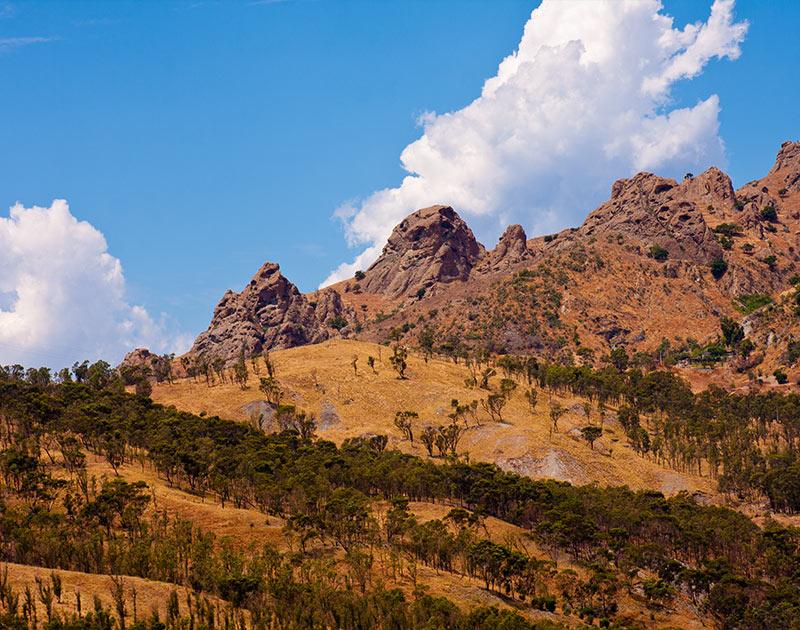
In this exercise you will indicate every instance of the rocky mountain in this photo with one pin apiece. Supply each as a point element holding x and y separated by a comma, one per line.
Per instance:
<point>270,312</point>
<point>661,259</point>
<point>429,248</point>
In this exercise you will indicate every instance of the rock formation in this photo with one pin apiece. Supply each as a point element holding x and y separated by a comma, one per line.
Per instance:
<point>430,247</point>
<point>269,313</point>
<point>638,270</point>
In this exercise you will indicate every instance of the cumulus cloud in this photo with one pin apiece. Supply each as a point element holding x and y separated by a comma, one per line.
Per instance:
<point>584,100</point>
<point>62,295</point>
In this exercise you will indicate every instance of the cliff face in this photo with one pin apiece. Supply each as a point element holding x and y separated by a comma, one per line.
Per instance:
<point>638,270</point>
<point>430,247</point>
<point>270,312</point>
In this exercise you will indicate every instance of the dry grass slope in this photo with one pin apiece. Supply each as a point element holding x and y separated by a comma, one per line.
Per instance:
<point>321,376</point>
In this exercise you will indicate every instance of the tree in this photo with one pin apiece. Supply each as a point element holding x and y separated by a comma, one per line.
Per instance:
<point>531,397</point>
<point>449,436</point>
<point>218,365</point>
<point>240,370</point>
<point>371,363</point>
<point>507,387</point>
<point>768,213</point>
<point>619,358</point>
<point>732,332</point>
<point>590,434</point>
<point>426,340</point>
<point>271,389</point>
<point>402,420</point>
<point>354,363</point>
<point>143,387</point>
<point>587,410</point>
<point>346,517</point>
<point>556,411</point>
<point>428,438</point>
<point>114,450</point>
<point>718,268</point>
<point>399,360</point>
<point>486,374</point>
<point>269,364</point>
<point>493,404</point>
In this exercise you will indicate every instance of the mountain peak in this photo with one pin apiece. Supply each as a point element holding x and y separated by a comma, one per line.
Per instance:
<point>432,245</point>
<point>270,312</point>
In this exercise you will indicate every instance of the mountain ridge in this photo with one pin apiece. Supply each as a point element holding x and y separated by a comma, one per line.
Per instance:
<point>659,259</point>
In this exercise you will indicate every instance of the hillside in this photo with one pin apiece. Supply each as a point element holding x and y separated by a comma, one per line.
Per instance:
<point>244,525</point>
<point>320,379</point>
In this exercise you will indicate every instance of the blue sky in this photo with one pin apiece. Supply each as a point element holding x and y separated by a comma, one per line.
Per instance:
<point>202,138</point>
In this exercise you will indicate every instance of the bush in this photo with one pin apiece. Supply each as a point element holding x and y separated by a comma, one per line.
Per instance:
<point>658,253</point>
<point>337,322</point>
<point>728,229</point>
<point>768,213</point>
<point>718,268</point>
<point>752,302</point>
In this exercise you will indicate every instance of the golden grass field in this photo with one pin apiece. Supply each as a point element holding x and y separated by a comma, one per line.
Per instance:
<point>150,595</point>
<point>366,402</point>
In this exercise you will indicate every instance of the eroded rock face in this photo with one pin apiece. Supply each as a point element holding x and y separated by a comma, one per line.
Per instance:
<point>650,210</point>
<point>140,357</point>
<point>429,247</point>
<point>511,250</point>
<point>270,313</point>
<point>787,167</point>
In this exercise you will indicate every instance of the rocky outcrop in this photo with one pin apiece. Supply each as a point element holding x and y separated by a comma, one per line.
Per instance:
<point>787,167</point>
<point>270,313</point>
<point>140,357</point>
<point>511,250</point>
<point>653,211</point>
<point>430,247</point>
<point>641,267</point>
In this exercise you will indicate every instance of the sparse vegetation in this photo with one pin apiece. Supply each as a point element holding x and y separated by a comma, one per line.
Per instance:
<point>718,268</point>
<point>752,302</point>
<point>658,253</point>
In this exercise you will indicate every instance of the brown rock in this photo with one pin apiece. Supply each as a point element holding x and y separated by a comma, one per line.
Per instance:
<point>650,210</point>
<point>511,250</point>
<point>269,313</point>
<point>429,247</point>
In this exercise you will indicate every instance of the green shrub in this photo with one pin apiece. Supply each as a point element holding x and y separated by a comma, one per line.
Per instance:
<point>728,229</point>
<point>752,302</point>
<point>658,253</point>
<point>768,213</point>
<point>337,322</point>
<point>770,261</point>
<point>718,267</point>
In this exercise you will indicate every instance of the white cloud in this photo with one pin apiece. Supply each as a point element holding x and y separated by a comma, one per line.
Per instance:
<point>583,101</point>
<point>62,295</point>
<point>11,43</point>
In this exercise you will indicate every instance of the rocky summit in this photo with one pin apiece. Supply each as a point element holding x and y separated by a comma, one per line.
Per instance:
<point>269,313</point>
<point>430,247</point>
<point>660,259</point>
